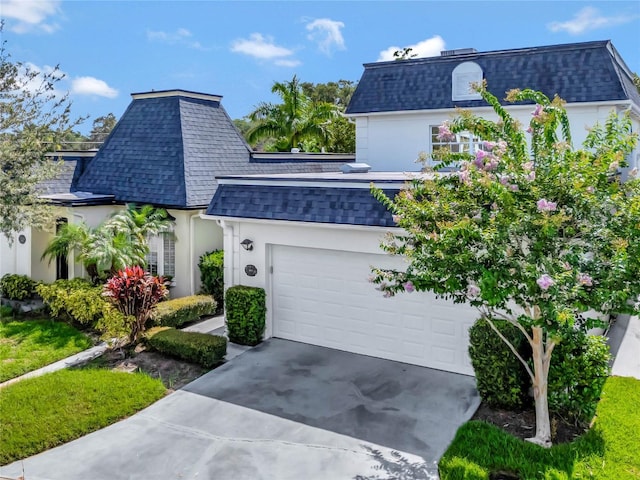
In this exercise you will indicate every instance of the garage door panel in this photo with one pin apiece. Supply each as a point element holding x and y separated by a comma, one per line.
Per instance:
<point>335,306</point>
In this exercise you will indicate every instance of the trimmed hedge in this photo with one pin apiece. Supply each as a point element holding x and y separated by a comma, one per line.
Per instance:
<point>17,287</point>
<point>173,313</point>
<point>501,379</point>
<point>246,313</point>
<point>76,300</point>
<point>202,348</point>
<point>579,368</point>
<point>211,266</point>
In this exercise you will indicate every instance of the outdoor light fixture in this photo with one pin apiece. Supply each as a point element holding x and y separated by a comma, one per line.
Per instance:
<point>247,244</point>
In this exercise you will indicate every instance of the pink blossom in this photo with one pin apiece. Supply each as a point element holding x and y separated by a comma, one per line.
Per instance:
<point>464,176</point>
<point>489,145</point>
<point>514,187</point>
<point>590,189</point>
<point>531,176</point>
<point>371,278</point>
<point>444,134</point>
<point>500,148</point>
<point>545,205</point>
<point>473,291</point>
<point>387,294</point>
<point>528,166</point>
<point>396,218</point>
<point>537,113</point>
<point>480,156</point>
<point>529,129</point>
<point>409,286</point>
<point>545,281</point>
<point>585,279</point>
<point>566,266</point>
<point>491,165</point>
<point>504,180</point>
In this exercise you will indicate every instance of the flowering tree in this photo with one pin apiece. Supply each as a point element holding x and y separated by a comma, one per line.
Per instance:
<point>135,294</point>
<point>532,232</point>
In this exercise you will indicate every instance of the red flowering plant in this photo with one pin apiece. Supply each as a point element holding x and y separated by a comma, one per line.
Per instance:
<point>135,293</point>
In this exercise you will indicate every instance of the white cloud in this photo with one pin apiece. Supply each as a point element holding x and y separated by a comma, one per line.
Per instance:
<point>431,47</point>
<point>31,15</point>
<point>92,86</point>
<point>181,36</point>
<point>587,19</point>
<point>264,48</point>
<point>327,34</point>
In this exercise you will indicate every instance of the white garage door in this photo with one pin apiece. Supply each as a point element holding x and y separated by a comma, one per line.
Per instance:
<point>323,297</point>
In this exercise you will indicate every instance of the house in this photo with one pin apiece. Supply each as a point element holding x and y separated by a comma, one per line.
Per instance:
<point>166,150</point>
<point>314,237</point>
<point>399,105</point>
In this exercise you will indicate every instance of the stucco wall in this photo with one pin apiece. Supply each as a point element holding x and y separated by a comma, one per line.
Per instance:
<point>392,142</point>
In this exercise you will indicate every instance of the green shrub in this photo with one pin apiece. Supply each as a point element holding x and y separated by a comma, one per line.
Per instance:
<point>17,287</point>
<point>174,313</point>
<point>211,266</point>
<point>501,379</point>
<point>79,301</point>
<point>578,371</point>
<point>246,313</point>
<point>202,348</point>
<point>6,311</point>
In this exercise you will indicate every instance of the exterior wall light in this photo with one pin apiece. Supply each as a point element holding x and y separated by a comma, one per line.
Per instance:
<point>247,244</point>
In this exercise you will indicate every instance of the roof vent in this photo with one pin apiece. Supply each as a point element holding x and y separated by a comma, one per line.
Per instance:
<point>458,51</point>
<point>355,168</point>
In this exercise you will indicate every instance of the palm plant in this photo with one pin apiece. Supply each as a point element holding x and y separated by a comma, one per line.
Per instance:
<point>119,242</point>
<point>294,121</point>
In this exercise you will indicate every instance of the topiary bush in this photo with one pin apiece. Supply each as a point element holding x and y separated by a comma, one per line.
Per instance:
<point>202,348</point>
<point>501,379</point>
<point>211,266</point>
<point>577,375</point>
<point>17,287</point>
<point>246,313</point>
<point>174,313</point>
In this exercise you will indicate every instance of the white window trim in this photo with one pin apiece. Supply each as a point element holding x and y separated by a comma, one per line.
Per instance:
<point>156,245</point>
<point>473,143</point>
<point>461,79</point>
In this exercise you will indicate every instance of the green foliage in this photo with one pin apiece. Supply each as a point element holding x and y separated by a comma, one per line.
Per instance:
<point>135,293</point>
<point>40,413</point>
<point>173,313</point>
<point>532,231</point>
<point>118,242</point>
<point>6,311</point>
<point>577,375</point>
<point>500,377</point>
<point>211,266</point>
<point>17,287</point>
<point>294,121</point>
<point>609,451</point>
<point>201,348</point>
<point>34,118</point>
<point>29,345</point>
<point>245,314</point>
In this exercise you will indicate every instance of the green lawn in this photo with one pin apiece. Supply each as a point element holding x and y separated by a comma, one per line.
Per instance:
<point>30,344</point>
<point>609,451</point>
<point>40,413</point>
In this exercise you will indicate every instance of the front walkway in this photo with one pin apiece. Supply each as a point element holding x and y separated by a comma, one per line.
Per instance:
<point>624,339</point>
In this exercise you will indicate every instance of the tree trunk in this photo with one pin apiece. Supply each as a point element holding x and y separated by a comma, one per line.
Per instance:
<point>540,383</point>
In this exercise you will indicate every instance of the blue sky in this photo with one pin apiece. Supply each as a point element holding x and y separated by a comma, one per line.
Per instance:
<point>109,49</point>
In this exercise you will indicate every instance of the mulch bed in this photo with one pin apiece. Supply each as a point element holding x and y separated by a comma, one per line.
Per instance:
<point>522,424</point>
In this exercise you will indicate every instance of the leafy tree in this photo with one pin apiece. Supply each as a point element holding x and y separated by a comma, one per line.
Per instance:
<point>340,132</point>
<point>534,233</point>
<point>636,81</point>
<point>118,242</point>
<point>135,294</point>
<point>34,118</point>
<point>294,121</point>
<point>405,54</point>
<point>101,129</point>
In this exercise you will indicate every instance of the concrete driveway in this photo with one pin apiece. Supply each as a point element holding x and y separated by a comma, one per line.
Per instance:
<point>283,410</point>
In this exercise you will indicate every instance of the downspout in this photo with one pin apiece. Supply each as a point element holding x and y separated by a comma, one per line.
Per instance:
<point>192,260</point>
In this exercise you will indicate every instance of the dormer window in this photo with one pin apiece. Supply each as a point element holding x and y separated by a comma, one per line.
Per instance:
<point>461,79</point>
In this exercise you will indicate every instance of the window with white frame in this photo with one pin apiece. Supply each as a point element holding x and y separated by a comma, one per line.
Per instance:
<point>464,142</point>
<point>462,78</point>
<point>161,259</point>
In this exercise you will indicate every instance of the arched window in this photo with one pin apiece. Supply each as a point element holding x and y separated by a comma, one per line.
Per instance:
<point>461,79</point>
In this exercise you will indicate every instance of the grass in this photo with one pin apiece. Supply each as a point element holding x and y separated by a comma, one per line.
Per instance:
<point>609,451</point>
<point>30,344</point>
<point>40,413</point>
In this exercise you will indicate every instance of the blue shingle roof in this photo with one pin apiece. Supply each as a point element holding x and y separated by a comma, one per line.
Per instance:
<point>580,72</point>
<point>167,150</point>
<point>320,204</point>
<point>73,166</point>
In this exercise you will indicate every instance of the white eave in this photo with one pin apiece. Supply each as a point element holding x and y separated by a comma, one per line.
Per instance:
<point>176,93</point>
